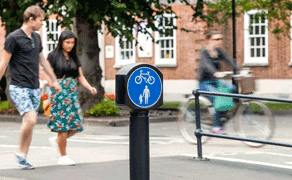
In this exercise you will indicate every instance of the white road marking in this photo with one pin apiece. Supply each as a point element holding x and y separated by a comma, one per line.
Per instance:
<point>31,147</point>
<point>254,152</point>
<point>108,139</point>
<point>278,154</point>
<point>229,154</point>
<point>100,142</point>
<point>102,137</point>
<point>115,142</point>
<point>243,161</point>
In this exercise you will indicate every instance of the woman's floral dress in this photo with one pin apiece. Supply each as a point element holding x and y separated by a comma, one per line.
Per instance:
<point>65,112</point>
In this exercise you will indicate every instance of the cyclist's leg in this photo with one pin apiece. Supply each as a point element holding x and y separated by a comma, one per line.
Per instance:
<point>230,86</point>
<point>208,86</point>
<point>211,86</point>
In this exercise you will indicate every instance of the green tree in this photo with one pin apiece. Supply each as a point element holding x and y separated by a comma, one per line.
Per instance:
<point>276,11</point>
<point>119,16</point>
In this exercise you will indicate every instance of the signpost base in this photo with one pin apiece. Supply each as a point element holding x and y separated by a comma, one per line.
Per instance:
<point>139,145</point>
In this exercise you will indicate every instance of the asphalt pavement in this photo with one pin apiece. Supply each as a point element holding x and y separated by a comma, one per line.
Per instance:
<point>161,168</point>
<point>112,162</point>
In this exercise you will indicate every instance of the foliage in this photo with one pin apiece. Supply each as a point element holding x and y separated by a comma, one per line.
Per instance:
<point>41,109</point>
<point>276,11</point>
<point>4,105</point>
<point>172,104</point>
<point>106,107</point>
<point>119,16</point>
<point>276,106</point>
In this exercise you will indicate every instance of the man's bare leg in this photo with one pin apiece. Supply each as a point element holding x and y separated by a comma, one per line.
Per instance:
<point>28,121</point>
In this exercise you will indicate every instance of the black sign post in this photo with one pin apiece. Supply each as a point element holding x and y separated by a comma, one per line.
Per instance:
<point>139,88</point>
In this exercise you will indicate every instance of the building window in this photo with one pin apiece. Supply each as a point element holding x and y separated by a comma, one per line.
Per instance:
<point>50,36</point>
<point>255,38</point>
<point>125,52</point>
<point>165,50</point>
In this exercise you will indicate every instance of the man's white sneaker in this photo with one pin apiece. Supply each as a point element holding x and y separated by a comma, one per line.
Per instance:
<point>65,160</point>
<point>54,144</point>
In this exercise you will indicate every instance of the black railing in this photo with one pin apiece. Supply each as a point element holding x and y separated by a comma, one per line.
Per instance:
<point>199,133</point>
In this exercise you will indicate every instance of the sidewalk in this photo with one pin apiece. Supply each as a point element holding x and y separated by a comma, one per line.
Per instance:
<point>161,168</point>
<point>115,121</point>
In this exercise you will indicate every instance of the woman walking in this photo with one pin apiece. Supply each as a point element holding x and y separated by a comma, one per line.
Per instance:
<point>65,115</point>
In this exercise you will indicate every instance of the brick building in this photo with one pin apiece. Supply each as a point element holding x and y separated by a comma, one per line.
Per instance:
<point>177,55</point>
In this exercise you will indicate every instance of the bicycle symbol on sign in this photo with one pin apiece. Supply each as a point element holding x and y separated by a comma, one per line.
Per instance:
<point>150,79</point>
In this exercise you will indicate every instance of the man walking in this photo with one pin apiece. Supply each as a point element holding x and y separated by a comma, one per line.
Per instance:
<point>23,52</point>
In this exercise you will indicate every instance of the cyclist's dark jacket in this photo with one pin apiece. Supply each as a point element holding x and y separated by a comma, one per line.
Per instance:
<point>210,65</point>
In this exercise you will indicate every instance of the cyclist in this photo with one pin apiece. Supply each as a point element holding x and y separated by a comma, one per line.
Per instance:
<point>210,58</point>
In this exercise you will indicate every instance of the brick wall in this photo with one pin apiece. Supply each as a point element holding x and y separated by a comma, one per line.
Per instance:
<point>279,52</point>
<point>188,45</point>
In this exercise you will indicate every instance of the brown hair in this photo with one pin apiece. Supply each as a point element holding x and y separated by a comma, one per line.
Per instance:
<point>210,33</point>
<point>32,11</point>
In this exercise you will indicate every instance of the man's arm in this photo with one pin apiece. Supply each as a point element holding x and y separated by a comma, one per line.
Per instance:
<point>4,62</point>
<point>48,68</point>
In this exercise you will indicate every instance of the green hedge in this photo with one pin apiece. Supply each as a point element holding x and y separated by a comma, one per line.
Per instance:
<point>4,105</point>
<point>174,104</point>
<point>106,107</point>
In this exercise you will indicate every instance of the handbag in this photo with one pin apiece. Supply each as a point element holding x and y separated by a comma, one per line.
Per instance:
<point>222,103</point>
<point>47,107</point>
<point>47,104</point>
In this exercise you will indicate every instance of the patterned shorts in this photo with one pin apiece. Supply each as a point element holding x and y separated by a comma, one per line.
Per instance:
<point>25,99</point>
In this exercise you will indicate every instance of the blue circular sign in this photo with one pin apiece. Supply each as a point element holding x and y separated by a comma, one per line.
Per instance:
<point>144,87</point>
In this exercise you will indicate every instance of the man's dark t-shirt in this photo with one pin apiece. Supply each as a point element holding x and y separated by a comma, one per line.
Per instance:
<point>24,62</point>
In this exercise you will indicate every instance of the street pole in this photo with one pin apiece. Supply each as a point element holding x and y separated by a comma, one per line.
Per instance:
<point>234,32</point>
<point>139,145</point>
<point>234,42</point>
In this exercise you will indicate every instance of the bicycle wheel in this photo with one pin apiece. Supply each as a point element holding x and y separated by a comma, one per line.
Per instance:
<point>255,121</point>
<point>151,80</point>
<point>138,79</point>
<point>187,119</point>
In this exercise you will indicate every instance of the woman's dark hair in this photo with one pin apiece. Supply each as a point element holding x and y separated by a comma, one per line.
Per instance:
<point>58,51</point>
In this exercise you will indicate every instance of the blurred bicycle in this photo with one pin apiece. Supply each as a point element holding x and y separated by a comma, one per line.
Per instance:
<point>251,118</point>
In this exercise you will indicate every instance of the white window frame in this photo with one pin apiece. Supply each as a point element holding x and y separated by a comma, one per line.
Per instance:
<point>255,61</point>
<point>45,33</point>
<point>119,61</point>
<point>166,62</point>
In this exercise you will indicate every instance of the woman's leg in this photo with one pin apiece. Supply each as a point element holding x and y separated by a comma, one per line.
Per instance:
<point>72,133</point>
<point>62,142</point>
